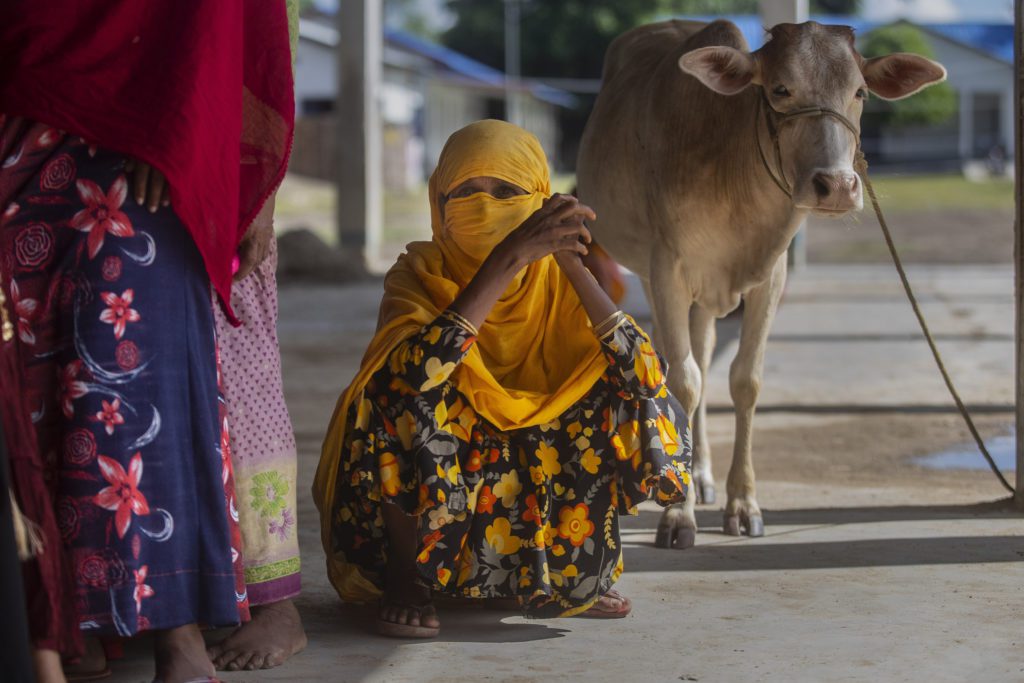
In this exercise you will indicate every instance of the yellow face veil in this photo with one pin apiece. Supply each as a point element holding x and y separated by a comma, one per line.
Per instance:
<point>535,356</point>
<point>468,228</point>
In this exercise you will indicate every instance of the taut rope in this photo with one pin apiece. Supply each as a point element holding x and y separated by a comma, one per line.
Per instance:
<point>861,166</point>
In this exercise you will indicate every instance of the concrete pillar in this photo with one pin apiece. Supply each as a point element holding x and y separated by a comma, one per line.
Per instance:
<point>360,200</point>
<point>784,12</point>
<point>789,12</point>
<point>513,60</point>
<point>966,125</point>
<point>1018,246</point>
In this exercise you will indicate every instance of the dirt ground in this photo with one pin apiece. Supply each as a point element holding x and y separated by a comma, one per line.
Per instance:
<point>870,452</point>
<point>955,236</point>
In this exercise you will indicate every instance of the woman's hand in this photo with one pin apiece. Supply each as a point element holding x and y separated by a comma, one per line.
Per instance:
<point>149,186</point>
<point>255,244</point>
<point>556,227</point>
<point>571,262</point>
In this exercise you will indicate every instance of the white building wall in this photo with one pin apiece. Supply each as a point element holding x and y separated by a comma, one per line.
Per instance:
<point>316,69</point>
<point>970,72</point>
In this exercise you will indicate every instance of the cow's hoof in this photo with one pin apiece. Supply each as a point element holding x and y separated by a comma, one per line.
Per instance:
<point>736,526</point>
<point>755,527</point>
<point>678,537</point>
<point>686,537</point>
<point>707,494</point>
<point>663,539</point>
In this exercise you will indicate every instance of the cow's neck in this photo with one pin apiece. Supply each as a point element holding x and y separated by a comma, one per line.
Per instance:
<point>752,218</point>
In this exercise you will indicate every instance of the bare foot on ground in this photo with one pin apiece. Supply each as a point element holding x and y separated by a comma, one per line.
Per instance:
<point>273,635</point>
<point>180,655</point>
<point>47,664</point>
<point>405,602</point>
<point>92,665</point>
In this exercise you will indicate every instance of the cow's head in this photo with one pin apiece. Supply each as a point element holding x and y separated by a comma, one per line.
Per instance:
<point>811,65</point>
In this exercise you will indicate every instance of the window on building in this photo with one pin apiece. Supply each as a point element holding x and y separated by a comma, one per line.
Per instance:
<point>987,123</point>
<point>317,105</point>
<point>494,108</point>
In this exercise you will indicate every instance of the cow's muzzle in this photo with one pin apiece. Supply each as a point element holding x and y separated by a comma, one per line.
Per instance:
<point>830,192</point>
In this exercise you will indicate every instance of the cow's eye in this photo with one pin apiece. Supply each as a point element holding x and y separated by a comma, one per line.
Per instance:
<point>781,91</point>
<point>862,93</point>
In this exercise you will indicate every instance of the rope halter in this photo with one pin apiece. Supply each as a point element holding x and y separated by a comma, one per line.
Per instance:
<point>775,119</point>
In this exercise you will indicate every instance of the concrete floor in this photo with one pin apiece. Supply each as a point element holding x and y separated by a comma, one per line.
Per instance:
<point>872,568</point>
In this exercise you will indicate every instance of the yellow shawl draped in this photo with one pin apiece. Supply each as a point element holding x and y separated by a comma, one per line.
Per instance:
<point>535,355</point>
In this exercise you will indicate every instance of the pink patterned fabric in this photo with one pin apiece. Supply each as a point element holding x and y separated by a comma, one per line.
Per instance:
<point>262,440</point>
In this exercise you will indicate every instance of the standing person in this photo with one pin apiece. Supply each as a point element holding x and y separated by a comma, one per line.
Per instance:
<point>504,414</point>
<point>16,657</point>
<point>265,461</point>
<point>263,453</point>
<point>115,343</point>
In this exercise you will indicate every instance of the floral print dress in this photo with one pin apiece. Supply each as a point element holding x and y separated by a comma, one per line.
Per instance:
<point>530,513</point>
<point>117,357</point>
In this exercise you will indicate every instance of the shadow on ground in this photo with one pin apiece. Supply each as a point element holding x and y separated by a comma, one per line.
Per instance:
<point>717,552</point>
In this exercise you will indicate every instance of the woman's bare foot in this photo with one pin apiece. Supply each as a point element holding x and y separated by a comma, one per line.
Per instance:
<point>180,655</point>
<point>92,665</point>
<point>406,611</point>
<point>406,604</point>
<point>273,635</point>
<point>48,668</point>
<point>611,605</point>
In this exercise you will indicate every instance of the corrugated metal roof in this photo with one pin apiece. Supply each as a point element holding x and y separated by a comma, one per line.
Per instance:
<point>454,62</point>
<point>995,40</point>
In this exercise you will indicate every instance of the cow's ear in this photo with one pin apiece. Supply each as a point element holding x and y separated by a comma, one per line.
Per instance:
<point>723,69</point>
<point>900,75</point>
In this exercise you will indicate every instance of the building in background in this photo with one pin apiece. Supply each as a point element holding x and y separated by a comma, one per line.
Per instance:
<point>428,92</point>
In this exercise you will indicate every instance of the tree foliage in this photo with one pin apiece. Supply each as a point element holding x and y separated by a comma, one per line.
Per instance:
<point>408,15</point>
<point>564,38</point>
<point>840,7</point>
<point>934,105</point>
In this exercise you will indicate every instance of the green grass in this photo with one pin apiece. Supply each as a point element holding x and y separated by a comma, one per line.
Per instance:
<point>909,193</point>
<point>309,203</point>
<point>923,192</point>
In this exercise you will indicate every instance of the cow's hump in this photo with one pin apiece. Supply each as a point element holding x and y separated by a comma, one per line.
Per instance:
<point>642,48</point>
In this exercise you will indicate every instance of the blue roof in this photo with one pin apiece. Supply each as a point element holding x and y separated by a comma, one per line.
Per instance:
<point>462,65</point>
<point>995,40</point>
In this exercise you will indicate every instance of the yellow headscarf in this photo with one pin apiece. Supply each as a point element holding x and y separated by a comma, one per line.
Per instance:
<point>535,356</point>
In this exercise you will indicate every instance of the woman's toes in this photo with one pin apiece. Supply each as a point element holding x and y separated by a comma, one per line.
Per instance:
<point>429,618</point>
<point>223,658</point>
<point>238,662</point>
<point>254,663</point>
<point>414,617</point>
<point>273,660</point>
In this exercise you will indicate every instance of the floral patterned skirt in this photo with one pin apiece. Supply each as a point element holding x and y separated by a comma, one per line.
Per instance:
<point>263,448</point>
<point>115,340</point>
<point>529,513</point>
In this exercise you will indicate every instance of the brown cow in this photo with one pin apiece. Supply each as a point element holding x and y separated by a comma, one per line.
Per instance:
<point>702,159</point>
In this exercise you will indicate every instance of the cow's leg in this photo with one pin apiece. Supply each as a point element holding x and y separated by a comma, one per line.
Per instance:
<point>741,511</point>
<point>670,304</point>
<point>702,336</point>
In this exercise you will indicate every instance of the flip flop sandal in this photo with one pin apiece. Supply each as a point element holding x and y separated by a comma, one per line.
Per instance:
<point>393,630</point>
<point>596,612</point>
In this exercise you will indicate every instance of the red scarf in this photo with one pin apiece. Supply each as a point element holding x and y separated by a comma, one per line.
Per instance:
<point>201,90</point>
